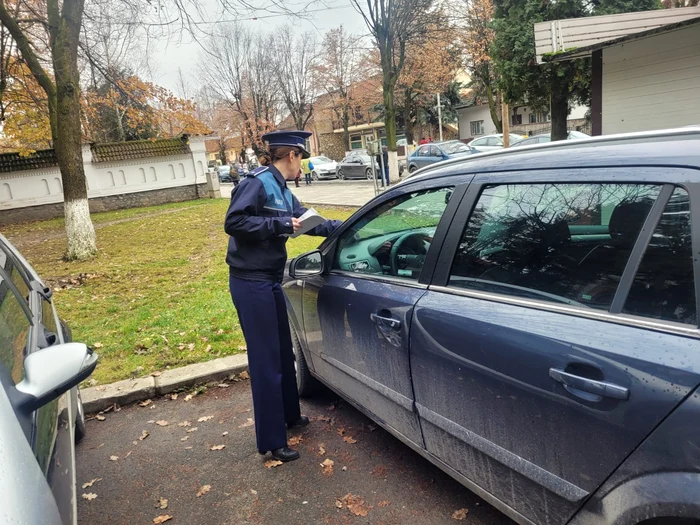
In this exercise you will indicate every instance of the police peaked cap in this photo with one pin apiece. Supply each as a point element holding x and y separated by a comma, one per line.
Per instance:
<point>295,138</point>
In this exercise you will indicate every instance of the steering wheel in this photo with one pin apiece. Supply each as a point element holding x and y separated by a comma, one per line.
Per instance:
<point>394,256</point>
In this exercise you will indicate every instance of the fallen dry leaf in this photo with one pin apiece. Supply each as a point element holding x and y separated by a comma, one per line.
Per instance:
<point>113,458</point>
<point>341,431</point>
<point>188,448</point>
<point>144,435</point>
<point>184,424</point>
<point>145,403</point>
<point>208,348</point>
<point>350,439</point>
<point>162,423</point>
<point>295,440</point>
<point>185,438</point>
<point>173,396</point>
<point>248,423</point>
<point>327,466</point>
<point>188,397</point>
<point>218,447</point>
<point>344,469</point>
<point>244,375</point>
<point>384,503</point>
<point>271,463</point>
<point>204,418</point>
<point>89,483</point>
<point>99,417</point>
<point>339,504</point>
<point>223,385</point>
<point>460,514</point>
<point>322,449</point>
<point>355,504</point>
<point>253,492</point>
<point>127,454</point>
<point>192,429</point>
<point>162,503</point>
<point>97,345</point>
<point>156,374</point>
<point>162,519</point>
<point>225,434</point>
<point>203,490</point>
<point>99,446</point>
<point>89,496</point>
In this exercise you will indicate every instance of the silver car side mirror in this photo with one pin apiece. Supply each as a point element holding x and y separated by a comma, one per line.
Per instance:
<point>52,371</point>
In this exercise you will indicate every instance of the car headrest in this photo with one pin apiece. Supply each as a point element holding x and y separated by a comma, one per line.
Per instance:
<point>627,220</point>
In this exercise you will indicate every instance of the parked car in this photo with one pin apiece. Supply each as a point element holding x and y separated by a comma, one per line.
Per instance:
<point>226,174</point>
<point>324,168</point>
<point>41,413</point>
<point>547,137</point>
<point>437,152</point>
<point>356,166</point>
<point>493,142</point>
<point>527,321</point>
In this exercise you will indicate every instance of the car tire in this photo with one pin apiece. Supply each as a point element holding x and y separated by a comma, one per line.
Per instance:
<point>306,384</point>
<point>341,175</point>
<point>80,429</point>
<point>314,176</point>
<point>369,174</point>
<point>412,168</point>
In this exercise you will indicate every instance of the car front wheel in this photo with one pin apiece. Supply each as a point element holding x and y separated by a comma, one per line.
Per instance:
<point>412,168</point>
<point>314,175</point>
<point>341,175</point>
<point>368,174</point>
<point>306,384</point>
<point>80,430</point>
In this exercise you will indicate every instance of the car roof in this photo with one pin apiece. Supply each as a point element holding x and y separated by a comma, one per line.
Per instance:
<point>675,147</point>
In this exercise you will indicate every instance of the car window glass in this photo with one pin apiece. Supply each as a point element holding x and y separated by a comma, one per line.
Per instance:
<point>664,286</point>
<point>423,151</point>
<point>477,142</point>
<point>394,238</point>
<point>14,331</point>
<point>14,269</point>
<point>435,151</point>
<point>562,243</point>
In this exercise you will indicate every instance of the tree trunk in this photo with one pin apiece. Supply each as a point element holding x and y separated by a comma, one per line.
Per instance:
<point>407,122</point>
<point>559,109</point>
<point>389,116</point>
<point>493,110</point>
<point>79,229</point>
<point>346,127</point>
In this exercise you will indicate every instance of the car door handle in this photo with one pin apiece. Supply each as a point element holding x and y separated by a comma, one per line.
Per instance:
<point>385,322</point>
<point>592,386</point>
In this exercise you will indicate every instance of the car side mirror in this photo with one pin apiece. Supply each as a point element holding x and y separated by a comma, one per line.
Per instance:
<point>51,372</point>
<point>306,265</point>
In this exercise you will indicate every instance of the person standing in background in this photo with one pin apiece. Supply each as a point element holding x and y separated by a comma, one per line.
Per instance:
<point>306,168</point>
<point>385,158</point>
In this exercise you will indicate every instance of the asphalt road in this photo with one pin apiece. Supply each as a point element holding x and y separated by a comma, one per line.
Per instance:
<point>374,478</point>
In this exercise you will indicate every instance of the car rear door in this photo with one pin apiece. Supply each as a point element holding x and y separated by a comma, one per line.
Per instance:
<point>559,330</point>
<point>357,317</point>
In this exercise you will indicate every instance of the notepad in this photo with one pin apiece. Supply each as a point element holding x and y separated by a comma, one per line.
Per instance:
<point>309,221</point>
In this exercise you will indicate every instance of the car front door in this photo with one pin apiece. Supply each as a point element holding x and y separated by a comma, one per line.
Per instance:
<point>560,329</point>
<point>358,316</point>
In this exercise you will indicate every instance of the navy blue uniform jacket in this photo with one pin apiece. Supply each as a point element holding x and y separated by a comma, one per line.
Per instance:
<point>258,218</point>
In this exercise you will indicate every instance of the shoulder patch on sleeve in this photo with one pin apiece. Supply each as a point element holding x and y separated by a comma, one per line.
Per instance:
<point>257,171</point>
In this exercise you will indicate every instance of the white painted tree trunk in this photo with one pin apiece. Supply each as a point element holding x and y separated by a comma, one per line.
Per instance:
<point>393,166</point>
<point>79,230</point>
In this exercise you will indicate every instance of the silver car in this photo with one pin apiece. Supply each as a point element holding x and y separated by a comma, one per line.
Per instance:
<point>324,168</point>
<point>41,414</point>
<point>493,142</point>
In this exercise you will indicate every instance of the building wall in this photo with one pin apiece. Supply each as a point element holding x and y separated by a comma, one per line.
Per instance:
<point>474,113</point>
<point>118,184</point>
<point>652,83</point>
<point>331,145</point>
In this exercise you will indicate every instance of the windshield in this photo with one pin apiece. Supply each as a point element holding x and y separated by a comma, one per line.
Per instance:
<point>320,160</point>
<point>365,159</point>
<point>455,147</point>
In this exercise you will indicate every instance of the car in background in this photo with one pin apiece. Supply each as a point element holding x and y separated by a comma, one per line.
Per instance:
<point>228,175</point>
<point>41,412</point>
<point>437,152</point>
<point>356,166</point>
<point>324,168</point>
<point>547,137</point>
<point>493,142</point>
<point>526,320</point>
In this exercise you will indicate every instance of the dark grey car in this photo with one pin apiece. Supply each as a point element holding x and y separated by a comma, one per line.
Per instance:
<point>527,321</point>
<point>41,414</point>
<point>356,166</point>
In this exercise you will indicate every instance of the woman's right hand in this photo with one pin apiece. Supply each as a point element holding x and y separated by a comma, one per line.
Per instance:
<point>296,223</point>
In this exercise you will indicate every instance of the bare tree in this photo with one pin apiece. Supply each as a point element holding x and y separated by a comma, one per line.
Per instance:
<point>295,60</point>
<point>393,24</point>
<point>244,63</point>
<point>340,68</point>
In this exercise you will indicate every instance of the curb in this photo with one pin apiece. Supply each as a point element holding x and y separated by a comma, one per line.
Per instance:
<point>98,398</point>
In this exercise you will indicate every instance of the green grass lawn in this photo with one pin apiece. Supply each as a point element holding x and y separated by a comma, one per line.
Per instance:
<point>157,295</point>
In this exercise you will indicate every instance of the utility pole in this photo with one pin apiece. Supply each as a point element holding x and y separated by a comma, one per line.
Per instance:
<point>505,121</point>
<point>439,116</point>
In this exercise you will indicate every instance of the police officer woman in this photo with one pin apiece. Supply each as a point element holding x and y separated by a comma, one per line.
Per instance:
<point>262,213</point>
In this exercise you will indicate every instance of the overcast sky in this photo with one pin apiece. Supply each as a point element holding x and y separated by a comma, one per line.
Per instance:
<point>168,56</point>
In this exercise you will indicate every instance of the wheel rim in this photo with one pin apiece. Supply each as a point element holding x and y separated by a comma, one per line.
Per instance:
<point>369,174</point>
<point>314,176</point>
<point>81,409</point>
<point>341,175</point>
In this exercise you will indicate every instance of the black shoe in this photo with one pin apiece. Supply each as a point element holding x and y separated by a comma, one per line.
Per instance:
<point>299,423</point>
<point>285,454</point>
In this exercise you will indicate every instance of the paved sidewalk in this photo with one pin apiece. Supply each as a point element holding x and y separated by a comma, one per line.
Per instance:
<point>333,193</point>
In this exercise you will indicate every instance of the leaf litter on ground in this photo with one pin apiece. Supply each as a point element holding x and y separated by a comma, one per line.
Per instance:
<point>203,490</point>
<point>354,504</point>
<point>162,519</point>
<point>460,514</point>
<point>162,503</point>
<point>327,466</point>
<point>218,447</point>
<point>272,463</point>
<point>91,482</point>
<point>89,496</point>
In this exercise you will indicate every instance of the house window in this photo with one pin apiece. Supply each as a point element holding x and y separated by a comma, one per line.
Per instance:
<point>356,142</point>
<point>540,117</point>
<point>516,120</point>
<point>477,127</point>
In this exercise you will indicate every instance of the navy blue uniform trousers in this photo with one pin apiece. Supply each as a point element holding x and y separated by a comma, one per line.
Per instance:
<point>262,312</point>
